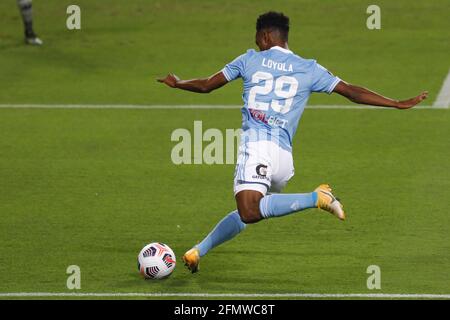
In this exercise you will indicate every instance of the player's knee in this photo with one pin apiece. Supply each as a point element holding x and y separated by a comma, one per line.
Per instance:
<point>248,206</point>
<point>249,212</point>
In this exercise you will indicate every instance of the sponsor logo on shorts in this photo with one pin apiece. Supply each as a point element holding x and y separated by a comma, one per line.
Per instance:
<point>261,170</point>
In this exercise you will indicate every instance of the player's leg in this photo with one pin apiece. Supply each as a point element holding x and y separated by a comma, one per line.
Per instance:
<point>253,178</point>
<point>227,228</point>
<point>247,202</point>
<point>25,7</point>
<point>254,206</point>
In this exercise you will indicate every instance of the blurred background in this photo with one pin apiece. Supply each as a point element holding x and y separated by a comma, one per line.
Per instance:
<point>123,45</point>
<point>91,187</point>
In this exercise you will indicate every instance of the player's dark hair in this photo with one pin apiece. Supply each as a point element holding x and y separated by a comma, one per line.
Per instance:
<point>274,20</point>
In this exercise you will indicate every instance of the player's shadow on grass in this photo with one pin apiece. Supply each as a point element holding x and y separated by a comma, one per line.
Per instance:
<point>242,283</point>
<point>135,280</point>
<point>236,269</point>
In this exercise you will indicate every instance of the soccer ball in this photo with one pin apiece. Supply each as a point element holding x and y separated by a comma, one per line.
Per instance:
<point>156,261</point>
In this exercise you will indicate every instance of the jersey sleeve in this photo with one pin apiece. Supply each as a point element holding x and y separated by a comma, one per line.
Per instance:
<point>235,69</point>
<point>323,80</point>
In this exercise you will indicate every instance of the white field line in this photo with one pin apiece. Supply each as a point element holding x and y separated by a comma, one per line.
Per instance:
<point>443,98</point>
<point>137,106</point>
<point>228,295</point>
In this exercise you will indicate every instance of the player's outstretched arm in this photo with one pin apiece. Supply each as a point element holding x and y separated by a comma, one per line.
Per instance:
<point>204,85</point>
<point>364,96</point>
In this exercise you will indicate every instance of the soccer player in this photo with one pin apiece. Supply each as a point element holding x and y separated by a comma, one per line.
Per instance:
<point>25,8</point>
<point>277,84</point>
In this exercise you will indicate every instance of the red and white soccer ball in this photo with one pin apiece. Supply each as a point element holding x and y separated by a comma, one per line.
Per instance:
<point>156,261</point>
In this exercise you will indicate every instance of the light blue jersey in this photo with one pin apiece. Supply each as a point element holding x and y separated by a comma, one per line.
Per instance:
<point>277,85</point>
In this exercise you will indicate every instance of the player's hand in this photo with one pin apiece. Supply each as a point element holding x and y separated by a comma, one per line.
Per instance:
<point>170,80</point>
<point>406,104</point>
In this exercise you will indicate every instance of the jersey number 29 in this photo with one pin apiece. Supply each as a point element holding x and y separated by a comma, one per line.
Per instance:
<point>286,96</point>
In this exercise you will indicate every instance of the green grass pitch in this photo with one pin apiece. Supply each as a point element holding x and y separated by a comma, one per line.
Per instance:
<point>92,187</point>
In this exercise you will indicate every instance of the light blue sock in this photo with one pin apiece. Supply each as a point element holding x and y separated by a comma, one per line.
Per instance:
<point>225,230</point>
<point>278,205</point>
